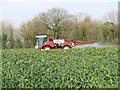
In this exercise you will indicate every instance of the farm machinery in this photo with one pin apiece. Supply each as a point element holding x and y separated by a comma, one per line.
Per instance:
<point>42,42</point>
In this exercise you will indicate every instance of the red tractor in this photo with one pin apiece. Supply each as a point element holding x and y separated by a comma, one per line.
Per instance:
<point>42,42</point>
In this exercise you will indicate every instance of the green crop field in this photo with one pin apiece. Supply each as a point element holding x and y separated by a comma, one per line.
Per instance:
<point>88,67</point>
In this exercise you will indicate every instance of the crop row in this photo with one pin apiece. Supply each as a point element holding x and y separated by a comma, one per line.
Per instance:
<point>74,68</point>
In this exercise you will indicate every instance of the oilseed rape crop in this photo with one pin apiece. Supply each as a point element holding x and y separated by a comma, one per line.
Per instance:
<point>88,67</point>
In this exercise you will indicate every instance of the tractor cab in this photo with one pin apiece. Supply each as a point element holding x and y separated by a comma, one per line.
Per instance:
<point>40,40</point>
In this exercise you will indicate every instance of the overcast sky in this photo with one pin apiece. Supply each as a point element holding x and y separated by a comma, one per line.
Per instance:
<point>18,11</point>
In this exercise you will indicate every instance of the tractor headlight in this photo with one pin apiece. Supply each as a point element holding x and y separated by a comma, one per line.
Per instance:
<point>36,47</point>
<point>73,44</point>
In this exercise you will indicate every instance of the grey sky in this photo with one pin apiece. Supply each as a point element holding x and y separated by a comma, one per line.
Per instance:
<point>18,12</point>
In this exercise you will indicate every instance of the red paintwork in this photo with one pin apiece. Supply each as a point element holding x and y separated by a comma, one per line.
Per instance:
<point>49,43</point>
<point>84,42</point>
<point>39,47</point>
<point>78,42</point>
<point>68,42</point>
<point>52,45</point>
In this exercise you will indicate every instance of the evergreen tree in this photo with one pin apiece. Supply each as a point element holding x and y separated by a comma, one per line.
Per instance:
<point>11,39</point>
<point>4,40</point>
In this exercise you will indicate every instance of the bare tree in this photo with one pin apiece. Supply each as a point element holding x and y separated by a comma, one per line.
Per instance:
<point>111,17</point>
<point>7,34</point>
<point>58,21</point>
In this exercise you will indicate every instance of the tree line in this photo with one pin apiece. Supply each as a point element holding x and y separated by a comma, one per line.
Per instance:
<point>60,23</point>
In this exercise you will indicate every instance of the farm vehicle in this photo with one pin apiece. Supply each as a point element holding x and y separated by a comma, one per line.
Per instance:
<point>43,42</point>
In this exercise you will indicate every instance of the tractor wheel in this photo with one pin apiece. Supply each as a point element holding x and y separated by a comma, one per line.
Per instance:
<point>47,48</point>
<point>66,47</point>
